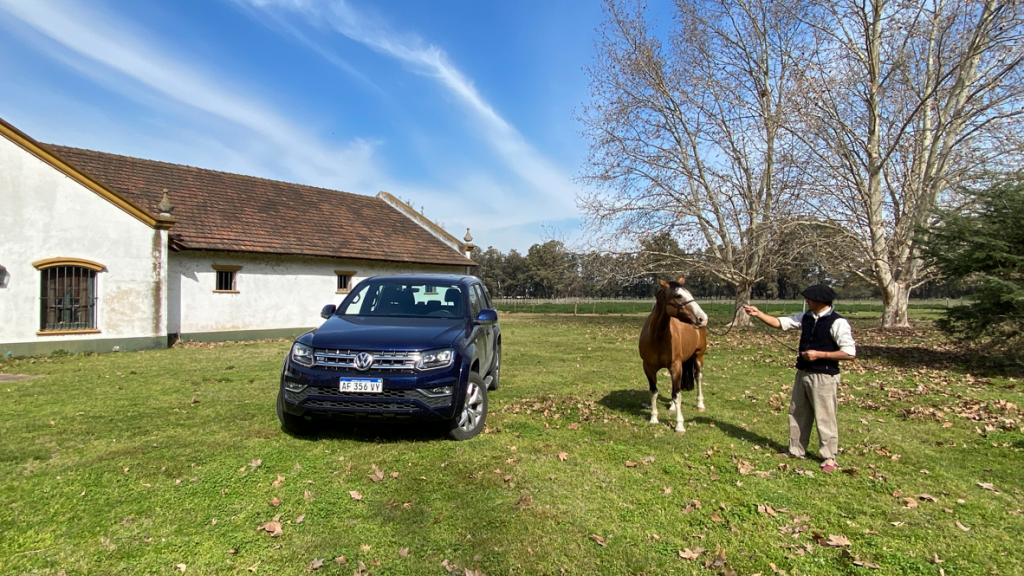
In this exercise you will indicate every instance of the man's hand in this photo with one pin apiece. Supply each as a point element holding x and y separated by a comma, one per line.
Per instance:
<point>812,355</point>
<point>751,310</point>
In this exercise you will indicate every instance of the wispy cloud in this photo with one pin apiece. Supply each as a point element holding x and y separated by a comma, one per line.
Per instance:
<point>96,37</point>
<point>542,176</point>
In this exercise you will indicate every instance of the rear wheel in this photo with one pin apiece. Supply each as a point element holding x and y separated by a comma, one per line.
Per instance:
<point>469,421</point>
<point>495,375</point>
<point>297,425</point>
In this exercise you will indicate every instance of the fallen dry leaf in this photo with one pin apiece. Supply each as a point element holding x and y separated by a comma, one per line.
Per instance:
<point>365,547</point>
<point>630,464</point>
<point>562,456</point>
<point>962,527</point>
<point>775,569</point>
<point>275,502</point>
<point>355,495</point>
<point>254,566</point>
<point>341,559</point>
<point>273,527</point>
<point>574,425</point>
<point>690,554</point>
<point>316,564</point>
<point>718,561</point>
<point>600,541</point>
<point>377,475</point>
<point>277,483</point>
<point>988,486</point>
<point>403,552</point>
<point>836,541</point>
<point>256,463</point>
<point>394,475</point>
<point>180,567</point>
<point>300,519</point>
<point>716,517</point>
<point>911,503</point>
<point>927,498</point>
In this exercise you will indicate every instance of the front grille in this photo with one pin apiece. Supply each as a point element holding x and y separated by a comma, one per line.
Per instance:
<point>367,399</point>
<point>400,362</point>
<point>360,405</point>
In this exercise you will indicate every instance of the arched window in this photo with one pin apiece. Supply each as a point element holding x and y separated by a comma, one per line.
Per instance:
<point>67,294</point>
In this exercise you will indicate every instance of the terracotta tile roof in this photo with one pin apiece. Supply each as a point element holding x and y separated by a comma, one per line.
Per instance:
<point>235,213</point>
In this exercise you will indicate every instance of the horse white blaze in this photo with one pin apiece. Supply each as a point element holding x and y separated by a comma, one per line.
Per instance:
<point>683,295</point>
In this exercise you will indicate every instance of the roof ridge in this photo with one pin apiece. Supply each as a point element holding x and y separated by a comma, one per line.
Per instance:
<point>58,147</point>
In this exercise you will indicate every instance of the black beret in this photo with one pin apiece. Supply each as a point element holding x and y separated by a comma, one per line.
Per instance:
<point>819,293</point>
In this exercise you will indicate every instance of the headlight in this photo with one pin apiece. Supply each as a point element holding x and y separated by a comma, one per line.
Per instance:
<point>436,359</point>
<point>302,354</point>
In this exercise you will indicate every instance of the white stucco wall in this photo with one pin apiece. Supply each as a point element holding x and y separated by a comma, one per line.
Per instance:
<point>45,214</point>
<point>274,292</point>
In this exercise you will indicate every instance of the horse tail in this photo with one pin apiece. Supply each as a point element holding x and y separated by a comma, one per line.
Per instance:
<point>689,377</point>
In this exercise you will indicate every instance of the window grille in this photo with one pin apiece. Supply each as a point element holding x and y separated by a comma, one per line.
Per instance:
<point>68,298</point>
<point>225,280</point>
<point>344,280</point>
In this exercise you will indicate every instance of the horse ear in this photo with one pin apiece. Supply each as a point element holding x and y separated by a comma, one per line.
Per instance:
<point>663,284</point>
<point>682,280</point>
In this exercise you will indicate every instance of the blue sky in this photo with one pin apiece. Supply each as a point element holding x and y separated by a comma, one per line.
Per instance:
<point>463,108</point>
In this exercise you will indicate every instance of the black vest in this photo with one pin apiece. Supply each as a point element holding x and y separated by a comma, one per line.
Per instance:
<point>818,336</point>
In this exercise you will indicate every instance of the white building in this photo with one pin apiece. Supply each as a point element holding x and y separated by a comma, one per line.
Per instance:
<point>100,252</point>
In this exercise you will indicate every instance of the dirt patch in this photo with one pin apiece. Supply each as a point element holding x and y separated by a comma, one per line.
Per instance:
<point>15,377</point>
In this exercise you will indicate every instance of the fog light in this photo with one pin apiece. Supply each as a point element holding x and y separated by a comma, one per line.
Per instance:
<point>438,392</point>
<point>294,387</point>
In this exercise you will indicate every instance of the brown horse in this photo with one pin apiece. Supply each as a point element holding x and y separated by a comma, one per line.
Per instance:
<point>674,337</point>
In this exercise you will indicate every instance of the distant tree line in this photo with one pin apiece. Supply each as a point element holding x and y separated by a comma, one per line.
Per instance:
<point>553,270</point>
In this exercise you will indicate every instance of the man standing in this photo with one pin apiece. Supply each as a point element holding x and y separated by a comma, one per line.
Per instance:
<point>825,339</point>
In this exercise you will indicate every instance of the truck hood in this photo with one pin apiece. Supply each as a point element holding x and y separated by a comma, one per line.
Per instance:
<point>377,333</point>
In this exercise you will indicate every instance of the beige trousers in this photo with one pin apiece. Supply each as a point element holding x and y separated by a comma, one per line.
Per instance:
<point>814,400</point>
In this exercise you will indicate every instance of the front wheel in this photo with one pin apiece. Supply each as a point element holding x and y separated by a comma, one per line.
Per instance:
<point>469,421</point>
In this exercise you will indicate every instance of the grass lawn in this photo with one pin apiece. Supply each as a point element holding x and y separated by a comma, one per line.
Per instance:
<point>136,463</point>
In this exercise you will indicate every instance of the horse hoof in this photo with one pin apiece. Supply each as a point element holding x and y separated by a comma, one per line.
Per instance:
<point>654,420</point>
<point>680,430</point>
<point>700,409</point>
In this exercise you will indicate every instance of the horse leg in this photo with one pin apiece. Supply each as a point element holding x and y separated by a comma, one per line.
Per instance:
<point>698,373</point>
<point>677,401</point>
<point>652,379</point>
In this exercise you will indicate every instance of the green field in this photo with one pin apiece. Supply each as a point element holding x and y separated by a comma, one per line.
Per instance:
<point>856,309</point>
<point>136,463</point>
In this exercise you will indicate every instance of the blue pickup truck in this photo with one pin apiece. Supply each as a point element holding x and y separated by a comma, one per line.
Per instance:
<point>418,347</point>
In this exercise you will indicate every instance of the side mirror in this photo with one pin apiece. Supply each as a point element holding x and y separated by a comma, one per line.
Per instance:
<point>328,311</point>
<point>487,316</point>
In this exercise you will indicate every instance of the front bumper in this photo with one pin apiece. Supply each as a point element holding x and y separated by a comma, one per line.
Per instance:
<point>406,395</point>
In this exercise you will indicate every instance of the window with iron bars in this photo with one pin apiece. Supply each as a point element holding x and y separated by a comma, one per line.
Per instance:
<point>225,280</point>
<point>68,298</point>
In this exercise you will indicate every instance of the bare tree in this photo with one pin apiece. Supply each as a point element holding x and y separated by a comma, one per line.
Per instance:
<point>902,101</point>
<point>688,138</point>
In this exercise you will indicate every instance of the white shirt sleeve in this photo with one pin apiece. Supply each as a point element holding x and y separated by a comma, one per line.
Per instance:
<point>843,336</point>
<point>790,322</point>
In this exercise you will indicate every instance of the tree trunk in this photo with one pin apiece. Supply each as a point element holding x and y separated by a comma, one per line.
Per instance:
<point>895,299</point>
<point>740,318</point>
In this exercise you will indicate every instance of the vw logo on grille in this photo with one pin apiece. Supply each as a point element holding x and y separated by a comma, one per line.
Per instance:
<point>363,361</point>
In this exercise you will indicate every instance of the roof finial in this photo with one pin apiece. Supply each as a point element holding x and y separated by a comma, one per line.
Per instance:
<point>468,237</point>
<point>165,207</point>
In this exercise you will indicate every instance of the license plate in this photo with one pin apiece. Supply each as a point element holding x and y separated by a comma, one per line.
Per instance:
<point>364,385</point>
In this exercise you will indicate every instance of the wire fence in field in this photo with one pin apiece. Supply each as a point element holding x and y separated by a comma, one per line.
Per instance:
<point>711,306</point>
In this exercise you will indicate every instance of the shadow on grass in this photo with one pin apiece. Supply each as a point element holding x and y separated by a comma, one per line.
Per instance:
<point>375,432</point>
<point>632,402</point>
<point>741,434</point>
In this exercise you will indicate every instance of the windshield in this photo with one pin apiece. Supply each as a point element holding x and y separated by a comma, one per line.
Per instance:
<point>398,298</point>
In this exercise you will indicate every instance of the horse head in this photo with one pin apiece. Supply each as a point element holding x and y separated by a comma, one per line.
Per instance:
<point>680,304</point>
